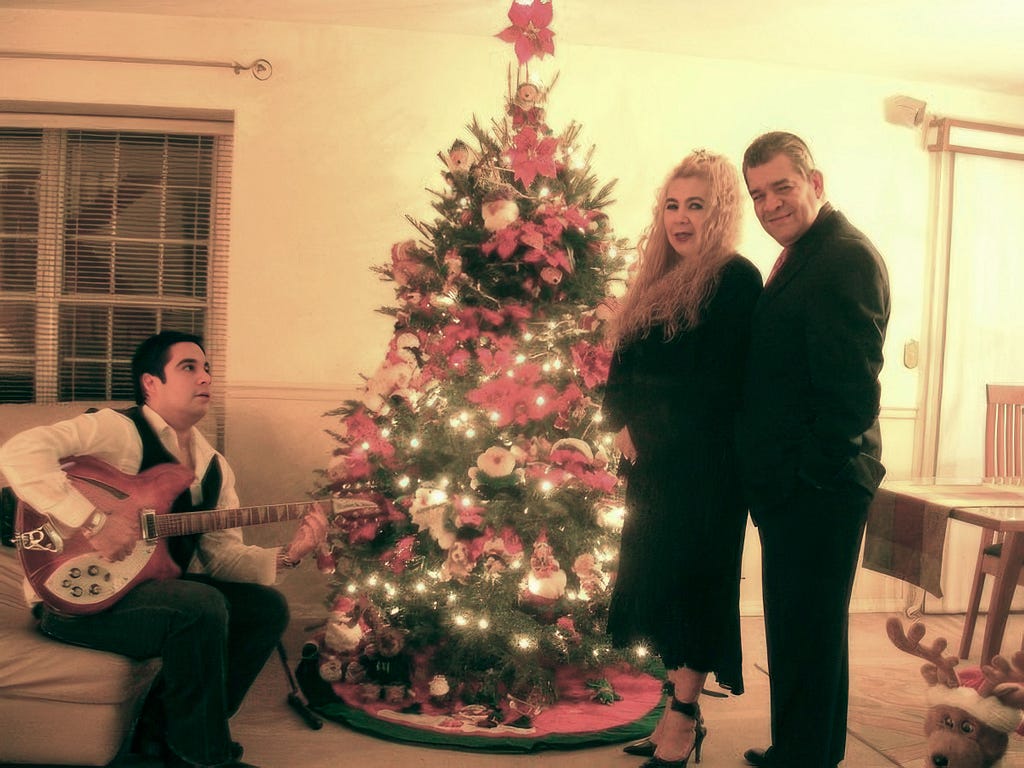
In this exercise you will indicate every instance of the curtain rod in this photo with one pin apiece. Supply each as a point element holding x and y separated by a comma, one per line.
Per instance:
<point>260,68</point>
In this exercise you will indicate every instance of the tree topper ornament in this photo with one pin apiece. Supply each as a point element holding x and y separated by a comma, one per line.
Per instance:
<point>529,31</point>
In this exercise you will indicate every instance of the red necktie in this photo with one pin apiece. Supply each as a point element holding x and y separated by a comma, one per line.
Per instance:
<point>778,265</point>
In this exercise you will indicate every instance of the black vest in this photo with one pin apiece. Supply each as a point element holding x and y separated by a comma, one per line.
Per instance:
<point>153,452</point>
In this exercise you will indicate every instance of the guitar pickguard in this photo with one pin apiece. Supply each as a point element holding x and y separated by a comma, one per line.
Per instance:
<point>90,579</point>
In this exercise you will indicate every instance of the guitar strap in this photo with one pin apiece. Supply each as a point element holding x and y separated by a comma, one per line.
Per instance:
<point>181,548</point>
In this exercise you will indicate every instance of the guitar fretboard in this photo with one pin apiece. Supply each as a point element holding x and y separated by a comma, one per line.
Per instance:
<point>188,523</point>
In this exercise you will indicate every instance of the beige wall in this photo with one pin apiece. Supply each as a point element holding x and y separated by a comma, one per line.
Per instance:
<point>340,143</point>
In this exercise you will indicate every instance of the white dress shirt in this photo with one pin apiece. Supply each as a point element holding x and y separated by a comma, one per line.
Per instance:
<point>31,463</point>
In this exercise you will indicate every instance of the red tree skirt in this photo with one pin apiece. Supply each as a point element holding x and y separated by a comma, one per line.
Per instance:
<point>576,720</point>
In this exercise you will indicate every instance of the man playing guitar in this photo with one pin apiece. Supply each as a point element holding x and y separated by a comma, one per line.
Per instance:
<point>214,626</point>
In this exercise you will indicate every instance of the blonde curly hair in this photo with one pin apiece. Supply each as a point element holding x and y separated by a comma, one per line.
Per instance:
<point>670,291</point>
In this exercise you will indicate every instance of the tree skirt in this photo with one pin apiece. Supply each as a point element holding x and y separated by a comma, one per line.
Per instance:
<point>576,720</point>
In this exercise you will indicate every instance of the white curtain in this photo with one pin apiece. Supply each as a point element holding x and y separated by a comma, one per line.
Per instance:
<point>984,336</point>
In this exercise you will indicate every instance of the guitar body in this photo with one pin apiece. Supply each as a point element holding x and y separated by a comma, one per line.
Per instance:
<point>67,573</point>
<point>72,578</point>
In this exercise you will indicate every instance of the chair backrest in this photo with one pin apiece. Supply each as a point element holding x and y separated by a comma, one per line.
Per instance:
<point>1004,433</point>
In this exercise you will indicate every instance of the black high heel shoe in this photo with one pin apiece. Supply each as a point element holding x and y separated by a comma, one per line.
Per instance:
<point>646,747</point>
<point>642,748</point>
<point>692,711</point>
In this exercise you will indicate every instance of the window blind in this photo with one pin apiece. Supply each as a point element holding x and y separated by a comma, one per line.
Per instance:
<point>106,236</point>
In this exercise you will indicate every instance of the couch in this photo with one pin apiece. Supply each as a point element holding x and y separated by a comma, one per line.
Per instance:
<point>60,704</point>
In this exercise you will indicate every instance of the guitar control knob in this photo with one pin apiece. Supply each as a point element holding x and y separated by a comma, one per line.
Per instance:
<point>95,589</point>
<point>93,570</point>
<point>75,573</point>
<point>66,583</point>
<point>76,591</point>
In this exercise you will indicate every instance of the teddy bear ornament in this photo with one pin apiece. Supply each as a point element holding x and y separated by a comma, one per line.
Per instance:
<point>970,713</point>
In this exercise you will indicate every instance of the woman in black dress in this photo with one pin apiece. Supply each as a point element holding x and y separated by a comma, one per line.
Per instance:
<point>681,341</point>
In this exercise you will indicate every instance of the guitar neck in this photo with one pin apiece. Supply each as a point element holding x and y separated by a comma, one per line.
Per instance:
<point>156,526</point>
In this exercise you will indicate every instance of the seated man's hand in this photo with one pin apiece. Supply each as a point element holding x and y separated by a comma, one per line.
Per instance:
<point>117,538</point>
<point>312,532</point>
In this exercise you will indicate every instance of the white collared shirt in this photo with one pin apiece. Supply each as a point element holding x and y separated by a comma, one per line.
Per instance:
<point>30,461</point>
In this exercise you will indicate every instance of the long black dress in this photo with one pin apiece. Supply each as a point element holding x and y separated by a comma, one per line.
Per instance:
<point>677,584</point>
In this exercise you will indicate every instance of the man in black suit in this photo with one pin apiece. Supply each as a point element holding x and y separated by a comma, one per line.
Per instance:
<point>809,443</point>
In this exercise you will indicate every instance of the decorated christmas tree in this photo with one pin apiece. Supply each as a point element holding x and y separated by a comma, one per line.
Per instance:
<point>487,567</point>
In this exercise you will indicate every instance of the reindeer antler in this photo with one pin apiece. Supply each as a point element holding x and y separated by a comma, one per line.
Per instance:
<point>941,670</point>
<point>1005,680</point>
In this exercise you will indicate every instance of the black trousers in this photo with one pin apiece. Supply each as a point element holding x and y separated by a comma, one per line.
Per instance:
<point>213,638</point>
<point>810,550</point>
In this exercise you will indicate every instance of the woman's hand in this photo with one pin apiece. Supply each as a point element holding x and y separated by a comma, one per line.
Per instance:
<point>624,443</point>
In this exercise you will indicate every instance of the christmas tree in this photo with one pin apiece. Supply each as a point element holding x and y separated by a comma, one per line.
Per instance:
<point>488,564</point>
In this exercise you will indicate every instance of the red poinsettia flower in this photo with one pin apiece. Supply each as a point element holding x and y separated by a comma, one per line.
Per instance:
<point>532,155</point>
<point>466,328</point>
<point>497,357</point>
<point>491,316</point>
<point>520,398</point>
<point>571,397</point>
<point>477,318</point>
<point>366,443</point>
<point>553,257</point>
<point>531,236</point>
<point>516,313</point>
<point>504,241</point>
<point>459,358</point>
<point>592,362</point>
<point>577,218</point>
<point>529,32</point>
<point>553,227</point>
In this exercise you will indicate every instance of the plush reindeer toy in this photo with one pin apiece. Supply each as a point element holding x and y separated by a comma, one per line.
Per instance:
<point>971,713</point>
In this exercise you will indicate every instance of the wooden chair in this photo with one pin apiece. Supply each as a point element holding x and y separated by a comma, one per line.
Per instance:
<point>1004,433</point>
<point>1004,446</point>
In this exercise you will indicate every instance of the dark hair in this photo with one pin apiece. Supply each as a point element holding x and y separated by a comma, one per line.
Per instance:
<point>151,356</point>
<point>765,147</point>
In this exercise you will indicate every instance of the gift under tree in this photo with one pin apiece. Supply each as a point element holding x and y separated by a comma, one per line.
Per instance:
<point>487,568</point>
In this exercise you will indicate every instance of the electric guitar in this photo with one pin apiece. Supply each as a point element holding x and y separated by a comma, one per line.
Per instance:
<point>73,578</point>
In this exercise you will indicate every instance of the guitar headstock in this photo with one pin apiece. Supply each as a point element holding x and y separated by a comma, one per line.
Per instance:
<point>350,506</point>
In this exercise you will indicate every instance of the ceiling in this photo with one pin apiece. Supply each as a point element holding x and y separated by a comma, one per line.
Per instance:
<point>973,43</point>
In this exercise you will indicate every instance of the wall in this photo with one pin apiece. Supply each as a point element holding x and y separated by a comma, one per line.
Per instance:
<point>340,144</point>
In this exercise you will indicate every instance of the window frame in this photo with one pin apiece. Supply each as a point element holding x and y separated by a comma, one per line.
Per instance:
<point>56,121</point>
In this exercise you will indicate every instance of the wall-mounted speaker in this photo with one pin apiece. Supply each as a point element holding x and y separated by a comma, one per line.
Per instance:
<point>904,110</point>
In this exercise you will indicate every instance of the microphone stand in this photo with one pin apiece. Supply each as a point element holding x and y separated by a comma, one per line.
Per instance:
<point>295,700</point>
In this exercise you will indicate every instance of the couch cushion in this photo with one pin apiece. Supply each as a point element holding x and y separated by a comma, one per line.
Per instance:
<point>34,666</point>
<point>14,612</point>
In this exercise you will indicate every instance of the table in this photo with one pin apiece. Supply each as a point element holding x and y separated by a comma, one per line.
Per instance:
<point>906,533</point>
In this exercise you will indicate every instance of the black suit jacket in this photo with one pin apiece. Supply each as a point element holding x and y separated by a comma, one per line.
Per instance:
<point>811,399</point>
